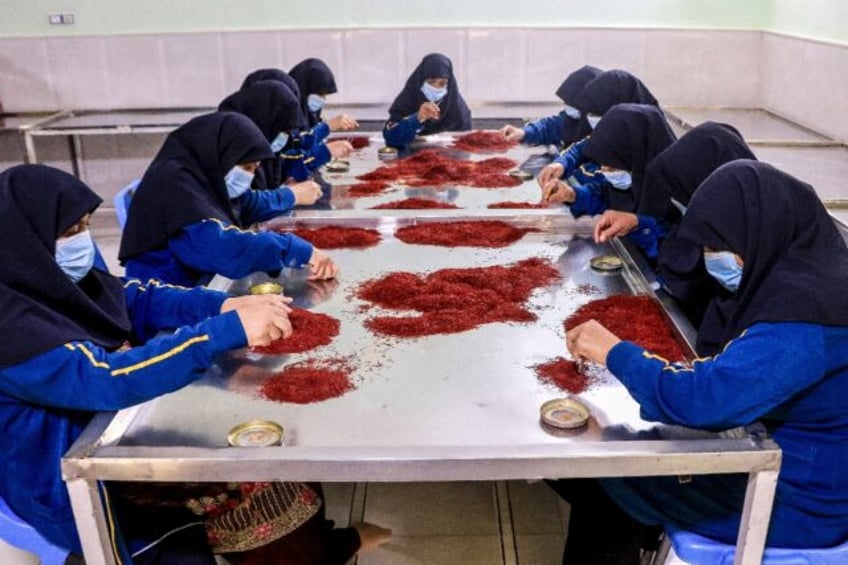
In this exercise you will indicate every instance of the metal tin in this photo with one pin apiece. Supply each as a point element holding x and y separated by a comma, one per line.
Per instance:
<point>521,174</point>
<point>387,153</point>
<point>338,166</point>
<point>606,263</point>
<point>266,288</point>
<point>256,433</point>
<point>565,413</point>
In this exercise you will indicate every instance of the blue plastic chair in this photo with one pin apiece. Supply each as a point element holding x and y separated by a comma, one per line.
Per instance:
<point>122,201</point>
<point>18,533</point>
<point>697,550</point>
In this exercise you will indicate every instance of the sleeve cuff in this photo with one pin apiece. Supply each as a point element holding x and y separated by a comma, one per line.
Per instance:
<point>621,356</point>
<point>299,253</point>
<point>226,332</point>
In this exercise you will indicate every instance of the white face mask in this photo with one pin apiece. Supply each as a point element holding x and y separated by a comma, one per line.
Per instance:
<point>432,93</point>
<point>572,112</point>
<point>75,255</point>
<point>593,120</point>
<point>238,182</point>
<point>279,142</point>
<point>620,180</point>
<point>315,103</point>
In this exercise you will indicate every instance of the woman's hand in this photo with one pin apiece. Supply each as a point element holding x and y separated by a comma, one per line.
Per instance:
<point>342,122</point>
<point>306,192</point>
<point>512,133</point>
<point>340,148</point>
<point>264,318</point>
<point>321,266</point>
<point>550,173</point>
<point>613,223</point>
<point>276,302</point>
<point>558,192</point>
<point>590,341</point>
<point>428,111</point>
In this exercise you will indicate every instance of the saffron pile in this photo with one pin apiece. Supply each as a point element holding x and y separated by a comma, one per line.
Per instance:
<point>481,233</point>
<point>479,140</point>
<point>433,167</point>
<point>368,188</point>
<point>330,237</point>
<point>358,141</point>
<point>456,300</point>
<point>309,381</point>
<point>311,330</point>
<point>633,318</point>
<point>510,204</point>
<point>414,204</point>
<point>563,374</point>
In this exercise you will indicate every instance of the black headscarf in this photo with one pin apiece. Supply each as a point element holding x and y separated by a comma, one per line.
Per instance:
<point>628,137</point>
<point>608,89</point>
<point>569,92</point>
<point>274,108</point>
<point>795,260</point>
<point>40,307</point>
<point>185,182</point>
<point>455,115</point>
<point>676,173</point>
<point>277,75</point>
<point>313,76</point>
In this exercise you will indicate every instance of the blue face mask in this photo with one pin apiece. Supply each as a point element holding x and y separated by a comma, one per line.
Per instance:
<point>679,205</point>
<point>279,142</point>
<point>75,255</point>
<point>620,180</point>
<point>593,120</point>
<point>572,112</point>
<point>314,102</point>
<point>432,93</point>
<point>238,182</point>
<point>722,266</point>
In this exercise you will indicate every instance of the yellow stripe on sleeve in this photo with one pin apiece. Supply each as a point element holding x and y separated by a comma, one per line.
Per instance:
<point>162,357</point>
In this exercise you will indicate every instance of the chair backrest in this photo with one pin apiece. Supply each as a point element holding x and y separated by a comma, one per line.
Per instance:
<point>122,202</point>
<point>691,549</point>
<point>18,533</point>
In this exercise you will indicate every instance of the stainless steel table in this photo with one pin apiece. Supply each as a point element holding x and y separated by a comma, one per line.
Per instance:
<point>441,408</point>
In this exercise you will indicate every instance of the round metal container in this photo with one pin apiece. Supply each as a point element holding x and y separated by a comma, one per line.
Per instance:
<point>387,153</point>
<point>521,174</point>
<point>565,413</point>
<point>338,166</point>
<point>266,288</point>
<point>256,433</point>
<point>606,263</point>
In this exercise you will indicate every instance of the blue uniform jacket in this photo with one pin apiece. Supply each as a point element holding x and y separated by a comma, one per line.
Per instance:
<point>315,150</point>
<point>201,250</point>
<point>791,376</point>
<point>400,134</point>
<point>46,401</point>
<point>546,131</point>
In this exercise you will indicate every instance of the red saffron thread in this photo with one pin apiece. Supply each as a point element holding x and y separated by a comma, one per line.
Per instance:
<point>414,204</point>
<point>563,374</point>
<point>479,140</point>
<point>309,381</point>
<point>331,237</point>
<point>358,141</point>
<point>311,330</point>
<point>456,300</point>
<point>484,233</point>
<point>369,188</point>
<point>511,204</point>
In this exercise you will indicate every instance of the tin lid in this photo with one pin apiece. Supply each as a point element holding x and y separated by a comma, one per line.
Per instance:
<point>266,288</point>
<point>606,263</point>
<point>521,174</point>
<point>387,153</point>
<point>338,166</point>
<point>256,433</point>
<point>566,413</point>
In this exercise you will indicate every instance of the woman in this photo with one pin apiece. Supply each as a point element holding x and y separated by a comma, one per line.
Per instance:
<point>768,240</point>
<point>316,82</point>
<point>76,340</point>
<point>596,99</point>
<point>189,215</point>
<point>276,112</point>
<point>562,129</point>
<point>624,142</point>
<point>670,181</point>
<point>430,102</point>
